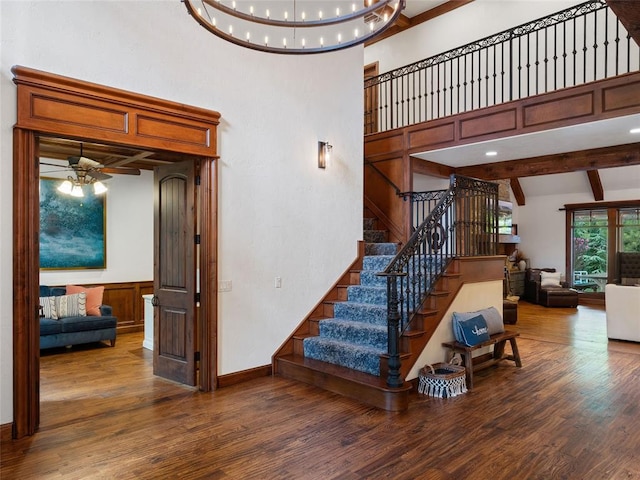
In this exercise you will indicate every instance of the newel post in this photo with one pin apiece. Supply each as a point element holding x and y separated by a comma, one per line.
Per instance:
<point>393,323</point>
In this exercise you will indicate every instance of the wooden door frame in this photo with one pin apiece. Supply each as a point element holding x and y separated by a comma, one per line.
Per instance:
<point>54,105</point>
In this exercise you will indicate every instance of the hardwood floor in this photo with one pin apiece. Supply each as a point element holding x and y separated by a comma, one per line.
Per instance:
<point>572,411</point>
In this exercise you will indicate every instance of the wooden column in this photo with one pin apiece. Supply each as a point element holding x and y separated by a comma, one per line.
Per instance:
<point>26,273</point>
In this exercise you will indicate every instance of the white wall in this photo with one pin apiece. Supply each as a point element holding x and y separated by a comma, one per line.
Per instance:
<point>541,223</point>
<point>279,215</point>
<point>470,298</point>
<point>129,234</point>
<point>426,183</point>
<point>466,24</point>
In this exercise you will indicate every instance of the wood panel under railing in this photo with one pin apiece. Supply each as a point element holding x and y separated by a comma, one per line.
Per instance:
<point>125,298</point>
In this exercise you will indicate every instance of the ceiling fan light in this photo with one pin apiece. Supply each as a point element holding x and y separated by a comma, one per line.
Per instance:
<point>76,191</point>
<point>99,188</point>
<point>66,187</point>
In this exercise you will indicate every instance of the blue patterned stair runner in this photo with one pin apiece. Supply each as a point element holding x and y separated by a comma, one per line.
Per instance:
<point>357,335</point>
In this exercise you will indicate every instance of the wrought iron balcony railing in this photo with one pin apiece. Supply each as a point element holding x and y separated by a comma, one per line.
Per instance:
<point>578,45</point>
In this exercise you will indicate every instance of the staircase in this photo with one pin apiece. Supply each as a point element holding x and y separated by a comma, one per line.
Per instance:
<point>341,345</point>
<point>356,336</point>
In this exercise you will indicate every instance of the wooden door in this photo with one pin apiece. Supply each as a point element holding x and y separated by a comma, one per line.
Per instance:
<point>371,100</point>
<point>175,258</point>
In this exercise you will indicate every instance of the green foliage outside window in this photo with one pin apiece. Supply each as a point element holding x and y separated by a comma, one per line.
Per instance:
<point>630,230</point>
<point>590,241</point>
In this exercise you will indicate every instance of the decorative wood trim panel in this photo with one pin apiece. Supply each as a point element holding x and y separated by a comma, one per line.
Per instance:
<point>162,130</point>
<point>383,144</point>
<point>59,105</point>
<point>503,121</point>
<point>55,105</point>
<point>64,109</point>
<point>126,302</point>
<point>620,97</point>
<point>594,101</point>
<point>556,110</point>
<point>432,135</point>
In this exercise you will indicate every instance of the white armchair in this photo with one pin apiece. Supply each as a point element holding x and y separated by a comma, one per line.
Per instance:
<point>623,312</point>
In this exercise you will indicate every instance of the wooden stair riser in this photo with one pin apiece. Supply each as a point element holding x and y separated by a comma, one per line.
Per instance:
<point>375,394</point>
<point>314,326</point>
<point>342,293</point>
<point>411,340</point>
<point>298,345</point>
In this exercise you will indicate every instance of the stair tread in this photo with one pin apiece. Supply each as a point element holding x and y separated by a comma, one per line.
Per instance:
<point>350,345</point>
<point>366,325</point>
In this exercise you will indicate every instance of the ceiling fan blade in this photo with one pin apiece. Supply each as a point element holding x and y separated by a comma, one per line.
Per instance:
<point>99,175</point>
<point>53,165</point>
<point>86,163</point>
<point>121,170</point>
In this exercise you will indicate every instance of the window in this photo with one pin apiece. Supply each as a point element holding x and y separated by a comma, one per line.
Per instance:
<point>595,234</point>
<point>589,234</point>
<point>629,230</point>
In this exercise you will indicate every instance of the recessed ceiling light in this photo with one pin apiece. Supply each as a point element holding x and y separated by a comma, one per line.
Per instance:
<point>491,154</point>
<point>634,130</point>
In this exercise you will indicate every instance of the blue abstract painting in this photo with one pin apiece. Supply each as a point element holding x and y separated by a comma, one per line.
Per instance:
<point>72,229</point>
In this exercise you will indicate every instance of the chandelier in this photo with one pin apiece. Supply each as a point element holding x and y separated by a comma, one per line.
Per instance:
<point>73,186</point>
<point>296,26</point>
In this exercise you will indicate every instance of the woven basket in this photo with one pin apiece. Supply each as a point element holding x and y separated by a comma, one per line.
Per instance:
<point>442,380</point>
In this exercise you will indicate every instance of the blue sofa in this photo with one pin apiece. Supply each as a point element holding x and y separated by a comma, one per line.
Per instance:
<point>76,330</point>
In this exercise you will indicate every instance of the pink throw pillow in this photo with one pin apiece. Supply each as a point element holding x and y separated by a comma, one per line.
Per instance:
<point>94,297</point>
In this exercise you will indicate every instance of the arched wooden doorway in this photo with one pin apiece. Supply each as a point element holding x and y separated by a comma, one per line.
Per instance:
<point>53,105</point>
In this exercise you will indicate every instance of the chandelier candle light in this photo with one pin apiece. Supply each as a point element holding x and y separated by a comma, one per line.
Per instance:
<point>296,26</point>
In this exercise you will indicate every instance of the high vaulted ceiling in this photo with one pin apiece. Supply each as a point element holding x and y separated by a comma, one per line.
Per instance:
<point>592,139</point>
<point>531,159</point>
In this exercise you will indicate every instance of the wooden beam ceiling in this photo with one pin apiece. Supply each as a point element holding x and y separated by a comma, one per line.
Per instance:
<point>596,185</point>
<point>589,161</point>
<point>583,160</point>
<point>433,169</point>
<point>516,188</point>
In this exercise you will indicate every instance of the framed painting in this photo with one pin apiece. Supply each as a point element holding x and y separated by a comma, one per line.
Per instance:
<point>72,229</point>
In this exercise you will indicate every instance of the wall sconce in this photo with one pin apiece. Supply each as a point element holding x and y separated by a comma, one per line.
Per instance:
<point>324,154</point>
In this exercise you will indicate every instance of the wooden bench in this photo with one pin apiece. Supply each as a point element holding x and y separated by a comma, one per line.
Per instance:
<point>499,340</point>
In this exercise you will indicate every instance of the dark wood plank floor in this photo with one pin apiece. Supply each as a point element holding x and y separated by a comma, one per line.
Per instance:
<point>571,412</point>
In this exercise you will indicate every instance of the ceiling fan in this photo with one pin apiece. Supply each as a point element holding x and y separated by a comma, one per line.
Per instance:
<point>88,172</point>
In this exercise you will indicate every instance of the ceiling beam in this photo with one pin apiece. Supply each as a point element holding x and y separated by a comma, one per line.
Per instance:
<point>516,189</point>
<point>628,13</point>
<point>404,23</point>
<point>596,185</point>
<point>433,169</point>
<point>583,160</point>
